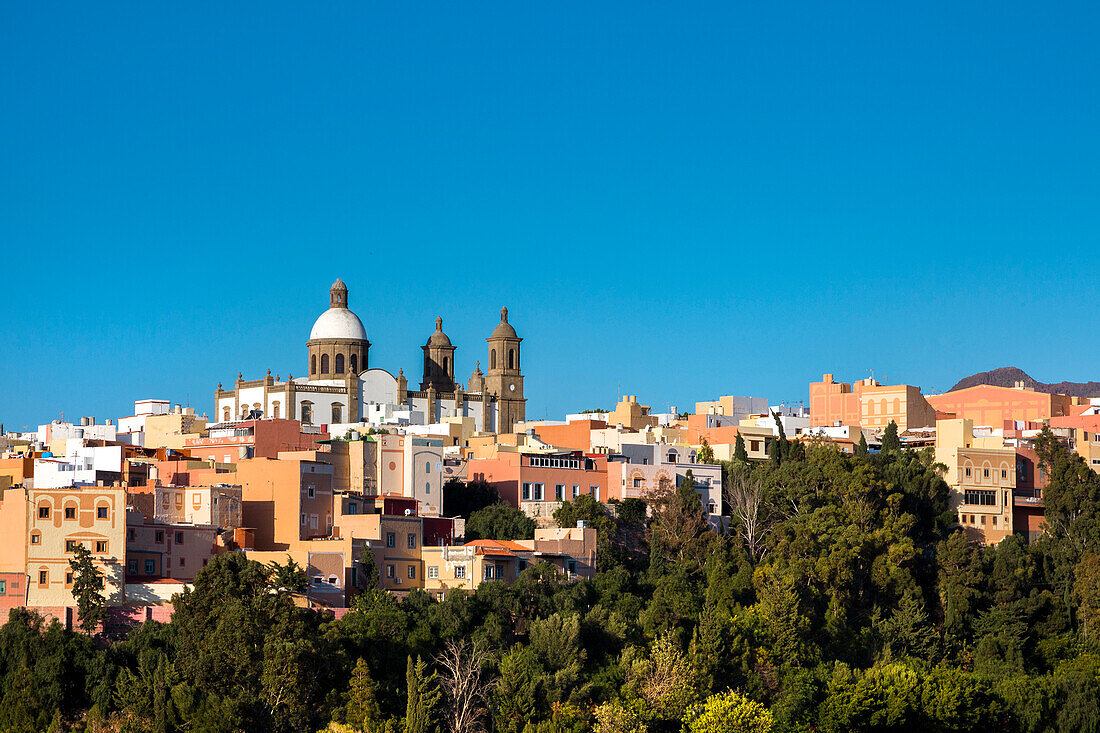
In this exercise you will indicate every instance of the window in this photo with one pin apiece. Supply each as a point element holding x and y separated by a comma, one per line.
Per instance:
<point>427,467</point>
<point>303,520</point>
<point>337,413</point>
<point>390,572</point>
<point>968,472</point>
<point>158,537</point>
<point>130,535</point>
<point>71,545</point>
<point>179,538</point>
<point>391,539</point>
<point>310,492</point>
<point>36,538</point>
<point>354,363</point>
<point>979,497</point>
<point>412,572</point>
<point>571,568</point>
<point>318,580</point>
<point>43,577</point>
<point>754,445</point>
<point>333,580</point>
<point>307,413</point>
<point>672,456</point>
<point>131,567</point>
<point>150,567</point>
<point>275,409</point>
<point>559,492</point>
<point>639,482</point>
<point>460,572</point>
<point>994,521</point>
<point>983,519</point>
<point>594,491</point>
<point>69,578</point>
<point>490,571</point>
<point>511,358</point>
<point>101,512</point>
<point>412,541</point>
<point>1004,473</point>
<point>43,512</point>
<point>427,488</point>
<point>339,363</point>
<point>576,490</point>
<point>70,512</point>
<point>313,364</point>
<point>181,562</point>
<point>538,492</point>
<point>985,473</point>
<point>101,546</point>
<point>433,572</point>
<point>493,359</point>
<point>324,363</point>
<point>526,492</point>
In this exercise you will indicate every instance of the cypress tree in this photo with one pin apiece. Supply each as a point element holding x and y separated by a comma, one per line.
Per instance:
<point>890,441</point>
<point>423,697</point>
<point>739,452</point>
<point>862,450</point>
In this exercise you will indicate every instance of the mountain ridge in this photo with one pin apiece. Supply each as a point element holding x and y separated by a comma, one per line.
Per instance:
<point>1009,376</point>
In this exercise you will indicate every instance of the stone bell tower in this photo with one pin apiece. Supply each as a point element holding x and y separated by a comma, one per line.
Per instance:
<point>439,361</point>
<point>504,380</point>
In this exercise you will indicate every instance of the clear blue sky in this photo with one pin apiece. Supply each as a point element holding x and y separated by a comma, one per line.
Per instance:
<point>675,200</point>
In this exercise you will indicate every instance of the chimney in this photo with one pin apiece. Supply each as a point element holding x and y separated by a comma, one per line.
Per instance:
<point>108,421</point>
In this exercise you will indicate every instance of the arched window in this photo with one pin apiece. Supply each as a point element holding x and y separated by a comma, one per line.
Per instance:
<point>882,406</point>
<point>275,409</point>
<point>313,364</point>
<point>446,365</point>
<point>355,363</point>
<point>226,414</point>
<point>511,358</point>
<point>324,363</point>
<point>337,413</point>
<point>897,406</point>
<point>339,363</point>
<point>493,359</point>
<point>307,413</point>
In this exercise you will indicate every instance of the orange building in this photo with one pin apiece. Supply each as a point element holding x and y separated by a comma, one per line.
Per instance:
<point>868,404</point>
<point>285,501</point>
<point>571,435</point>
<point>986,404</point>
<point>537,483</point>
<point>233,441</point>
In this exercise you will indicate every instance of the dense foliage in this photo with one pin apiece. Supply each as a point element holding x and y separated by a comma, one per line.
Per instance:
<point>837,600</point>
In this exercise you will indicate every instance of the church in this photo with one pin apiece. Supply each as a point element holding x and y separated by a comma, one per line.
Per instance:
<point>342,388</point>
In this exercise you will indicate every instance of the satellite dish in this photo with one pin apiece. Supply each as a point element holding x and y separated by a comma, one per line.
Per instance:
<point>408,512</point>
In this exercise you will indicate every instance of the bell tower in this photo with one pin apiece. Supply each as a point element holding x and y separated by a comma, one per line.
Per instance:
<point>439,361</point>
<point>504,379</point>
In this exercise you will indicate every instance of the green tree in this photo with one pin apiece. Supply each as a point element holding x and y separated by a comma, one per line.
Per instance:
<point>890,441</point>
<point>423,697</point>
<point>87,589</point>
<point>362,709</point>
<point>288,577</point>
<point>728,712</point>
<point>500,522</point>
<point>706,453</point>
<point>461,499</point>
<point>862,451</point>
<point>739,452</point>
<point>1087,587</point>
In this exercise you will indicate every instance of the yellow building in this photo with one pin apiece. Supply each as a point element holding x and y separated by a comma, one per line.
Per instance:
<point>172,430</point>
<point>631,415</point>
<point>981,472</point>
<point>39,529</point>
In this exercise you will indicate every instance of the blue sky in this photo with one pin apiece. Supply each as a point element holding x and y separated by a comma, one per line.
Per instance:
<point>675,200</point>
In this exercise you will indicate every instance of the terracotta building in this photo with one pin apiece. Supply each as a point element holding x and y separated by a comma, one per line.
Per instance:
<point>868,404</point>
<point>229,442</point>
<point>986,404</point>
<point>538,482</point>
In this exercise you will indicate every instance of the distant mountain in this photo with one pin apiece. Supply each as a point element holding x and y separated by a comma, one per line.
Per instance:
<point>1009,376</point>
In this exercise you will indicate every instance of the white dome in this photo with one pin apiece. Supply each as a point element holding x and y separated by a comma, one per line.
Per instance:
<point>338,323</point>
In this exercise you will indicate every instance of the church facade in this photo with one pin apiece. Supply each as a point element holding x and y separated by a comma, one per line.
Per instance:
<point>341,387</point>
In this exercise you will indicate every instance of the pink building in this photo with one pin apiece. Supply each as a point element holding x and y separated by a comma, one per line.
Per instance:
<point>538,483</point>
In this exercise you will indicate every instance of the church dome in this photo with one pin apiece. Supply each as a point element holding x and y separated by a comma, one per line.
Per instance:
<point>439,338</point>
<point>338,323</point>
<point>504,329</point>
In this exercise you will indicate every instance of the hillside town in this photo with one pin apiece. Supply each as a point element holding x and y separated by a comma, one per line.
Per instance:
<point>348,467</point>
